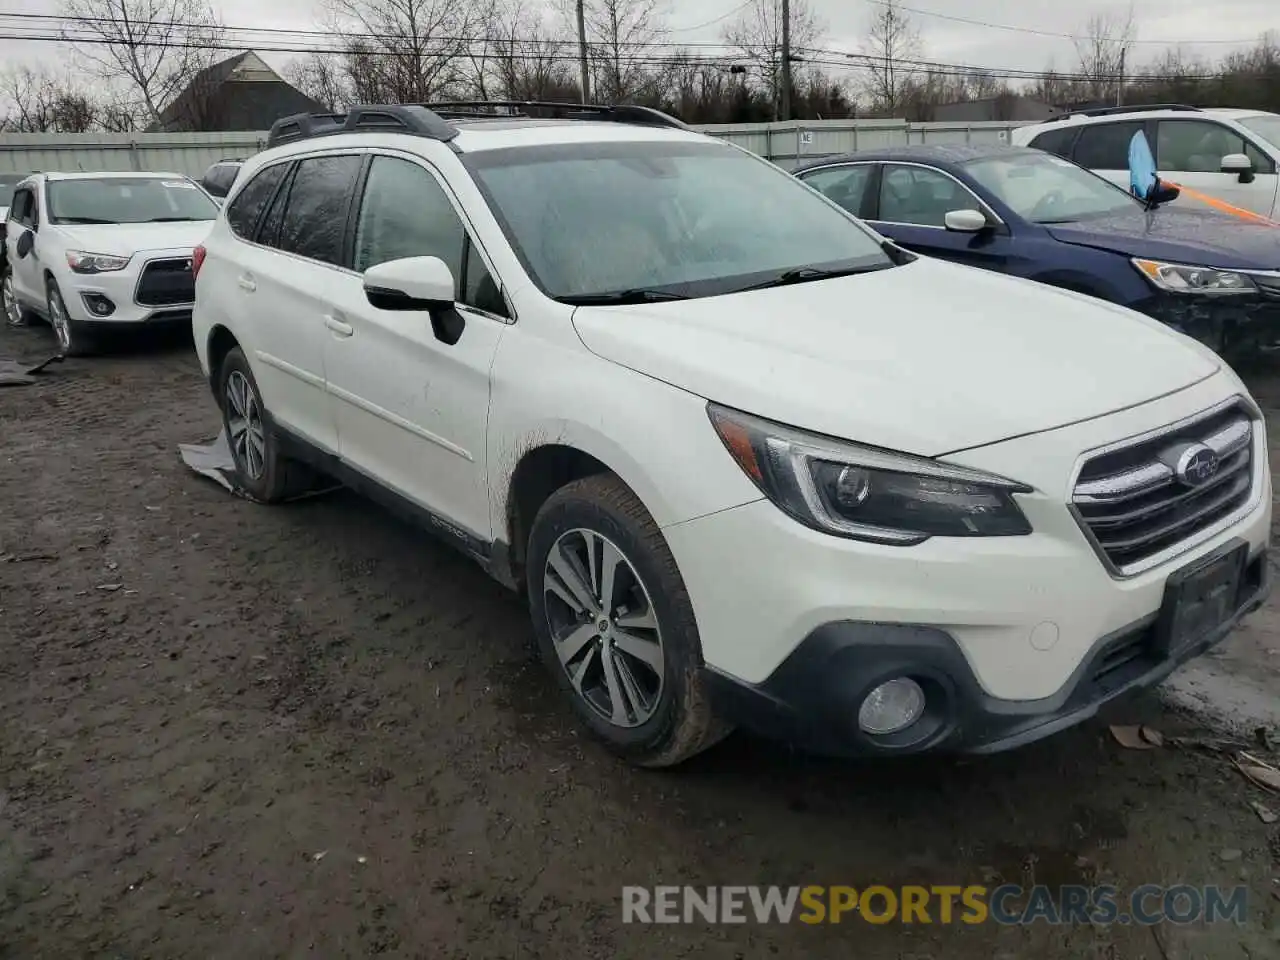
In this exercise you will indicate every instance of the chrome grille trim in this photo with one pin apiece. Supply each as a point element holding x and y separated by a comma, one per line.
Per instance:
<point>1136,515</point>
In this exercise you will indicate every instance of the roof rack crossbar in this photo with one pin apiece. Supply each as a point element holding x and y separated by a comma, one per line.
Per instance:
<point>1136,108</point>
<point>556,110</point>
<point>406,118</point>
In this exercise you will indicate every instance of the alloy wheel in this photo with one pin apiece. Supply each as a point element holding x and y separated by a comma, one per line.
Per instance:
<point>58,320</point>
<point>12,312</point>
<point>604,627</point>
<point>244,424</point>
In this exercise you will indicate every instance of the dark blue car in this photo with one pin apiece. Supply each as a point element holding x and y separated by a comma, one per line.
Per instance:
<point>1032,214</point>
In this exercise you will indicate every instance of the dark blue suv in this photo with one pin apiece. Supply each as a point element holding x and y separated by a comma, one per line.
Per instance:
<point>1032,214</point>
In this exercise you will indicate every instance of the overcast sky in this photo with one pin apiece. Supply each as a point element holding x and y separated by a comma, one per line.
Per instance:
<point>1193,24</point>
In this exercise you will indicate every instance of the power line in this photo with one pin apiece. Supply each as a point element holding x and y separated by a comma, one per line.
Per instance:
<point>709,23</point>
<point>1037,32</point>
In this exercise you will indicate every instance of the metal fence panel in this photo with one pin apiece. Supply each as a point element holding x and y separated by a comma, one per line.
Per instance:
<point>786,144</point>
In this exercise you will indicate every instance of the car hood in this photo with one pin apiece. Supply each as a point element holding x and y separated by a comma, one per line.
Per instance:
<point>1200,238</point>
<point>928,358</point>
<point>125,239</point>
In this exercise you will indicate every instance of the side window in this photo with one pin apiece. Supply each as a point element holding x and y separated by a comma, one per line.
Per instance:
<point>315,220</point>
<point>921,196</point>
<point>845,185</point>
<point>406,213</point>
<point>246,208</point>
<point>1055,141</point>
<point>1198,146</point>
<point>1105,146</point>
<point>20,210</point>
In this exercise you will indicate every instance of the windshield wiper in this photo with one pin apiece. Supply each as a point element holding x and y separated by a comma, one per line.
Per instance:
<point>809,274</point>
<point>621,298</point>
<point>171,219</point>
<point>82,220</point>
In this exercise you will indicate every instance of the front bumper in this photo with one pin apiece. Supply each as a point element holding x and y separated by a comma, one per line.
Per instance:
<point>1237,326</point>
<point>122,288</point>
<point>811,700</point>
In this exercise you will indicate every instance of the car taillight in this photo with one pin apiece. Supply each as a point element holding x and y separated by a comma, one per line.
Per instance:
<point>197,261</point>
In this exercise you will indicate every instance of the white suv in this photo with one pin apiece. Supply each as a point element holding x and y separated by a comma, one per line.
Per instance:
<point>751,463</point>
<point>1227,155</point>
<point>93,252</point>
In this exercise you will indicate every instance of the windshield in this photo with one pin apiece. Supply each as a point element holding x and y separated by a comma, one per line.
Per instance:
<point>1043,188</point>
<point>1266,125</point>
<point>685,219</point>
<point>127,200</point>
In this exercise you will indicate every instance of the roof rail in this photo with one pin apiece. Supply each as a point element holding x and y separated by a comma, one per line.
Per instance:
<point>397,118</point>
<point>1136,108</point>
<point>554,110</point>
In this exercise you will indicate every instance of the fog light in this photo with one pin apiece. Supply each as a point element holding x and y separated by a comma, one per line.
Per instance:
<point>99,305</point>
<point>891,707</point>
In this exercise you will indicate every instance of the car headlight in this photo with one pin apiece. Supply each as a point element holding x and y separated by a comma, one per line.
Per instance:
<point>867,493</point>
<point>1180,278</point>
<point>82,262</point>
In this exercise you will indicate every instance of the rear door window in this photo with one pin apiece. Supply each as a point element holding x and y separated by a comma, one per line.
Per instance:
<point>845,184</point>
<point>245,210</point>
<point>1105,146</point>
<point>1056,141</point>
<point>315,219</point>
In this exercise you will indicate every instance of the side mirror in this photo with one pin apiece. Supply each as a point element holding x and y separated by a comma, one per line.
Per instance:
<point>1238,163</point>
<point>417,284</point>
<point>25,243</point>
<point>1162,192</point>
<point>965,221</point>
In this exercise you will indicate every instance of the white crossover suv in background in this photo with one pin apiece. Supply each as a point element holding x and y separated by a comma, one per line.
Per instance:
<point>1227,155</point>
<point>751,463</point>
<point>92,252</point>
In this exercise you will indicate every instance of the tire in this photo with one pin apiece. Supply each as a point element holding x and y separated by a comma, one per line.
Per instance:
<point>74,338</point>
<point>652,718</point>
<point>15,314</point>
<point>262,470</point>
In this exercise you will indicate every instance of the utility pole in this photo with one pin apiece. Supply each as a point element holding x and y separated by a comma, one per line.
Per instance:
<point>582,52</point>
<point>784,110</point>
<point>1120,79</point>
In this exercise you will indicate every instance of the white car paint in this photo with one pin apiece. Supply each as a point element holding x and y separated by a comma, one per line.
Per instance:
<point>928,358</point>
<point>140,243</point>
<point>1261,195</point>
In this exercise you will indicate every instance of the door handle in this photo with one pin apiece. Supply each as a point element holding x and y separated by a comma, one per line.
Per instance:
<point>248,284</point>
<point>338,327</point>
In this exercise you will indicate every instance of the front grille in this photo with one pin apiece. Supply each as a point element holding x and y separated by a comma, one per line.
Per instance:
<point>164,283</point>
<point>1133,503</point>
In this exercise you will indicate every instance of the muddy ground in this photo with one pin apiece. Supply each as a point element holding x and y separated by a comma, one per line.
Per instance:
<point>236,731</point>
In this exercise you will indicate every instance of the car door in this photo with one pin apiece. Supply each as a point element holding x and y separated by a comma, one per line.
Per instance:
<point>288,280</point>
<point>845,184</point>
<point>412,411</point>
<point>911,205</point>
<point>1190,152</point>
<point>24,215</point>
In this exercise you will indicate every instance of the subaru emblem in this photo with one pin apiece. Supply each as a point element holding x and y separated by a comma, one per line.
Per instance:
<point>1196,465</point>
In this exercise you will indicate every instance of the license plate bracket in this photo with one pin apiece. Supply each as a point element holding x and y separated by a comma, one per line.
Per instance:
<point>1200,597</point>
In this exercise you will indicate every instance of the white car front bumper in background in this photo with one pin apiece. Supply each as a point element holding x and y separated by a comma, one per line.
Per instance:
<point>156,287</point>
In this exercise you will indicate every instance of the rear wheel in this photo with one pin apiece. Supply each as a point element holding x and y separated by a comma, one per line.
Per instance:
<point>261,469</point>
<point>615,625</point>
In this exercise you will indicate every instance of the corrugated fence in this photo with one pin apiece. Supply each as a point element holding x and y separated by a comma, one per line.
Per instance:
<point>787,144</point>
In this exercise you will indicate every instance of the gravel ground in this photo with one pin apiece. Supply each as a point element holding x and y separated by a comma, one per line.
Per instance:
<point>236,731</point>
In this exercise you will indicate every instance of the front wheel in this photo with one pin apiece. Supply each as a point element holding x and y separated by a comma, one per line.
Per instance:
<point>15,314</point>
<point>615,625</point>
<point>74,339</point>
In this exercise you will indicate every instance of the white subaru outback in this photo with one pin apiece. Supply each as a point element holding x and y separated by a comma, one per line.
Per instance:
<point>752,464</point>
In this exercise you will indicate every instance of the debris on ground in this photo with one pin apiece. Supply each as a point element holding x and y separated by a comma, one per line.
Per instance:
<point>1258,771</point>
<point>1230,855</point>
<point>16,373</point>
<point>1137,738</point>
<point>1265,813</point>
<point>213,459</point>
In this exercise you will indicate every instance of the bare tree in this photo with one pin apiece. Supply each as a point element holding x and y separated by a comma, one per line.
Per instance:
<point>1101,52</point>
<point>893,49</point>
<point>529,62</point>
<point>620,34</point>
<point>757,35</point>
<point>408,51</point>
<point>157,47</point>
<point>323,78</point>
<point>42,103</point>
